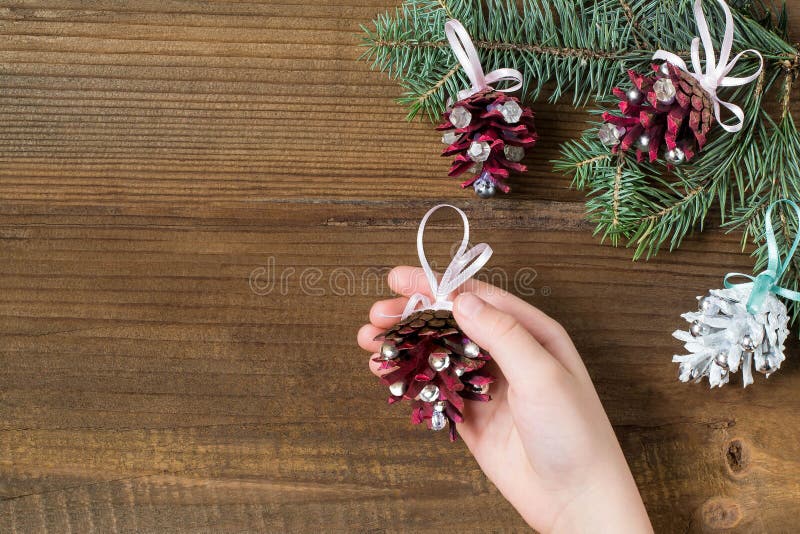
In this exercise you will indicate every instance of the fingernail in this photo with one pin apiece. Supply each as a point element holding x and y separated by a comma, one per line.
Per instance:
<point>469,305</point>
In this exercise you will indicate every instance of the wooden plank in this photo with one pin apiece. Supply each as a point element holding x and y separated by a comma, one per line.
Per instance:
<point>163,162</point>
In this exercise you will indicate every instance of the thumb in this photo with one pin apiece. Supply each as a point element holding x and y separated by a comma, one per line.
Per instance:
<point>521,358</point>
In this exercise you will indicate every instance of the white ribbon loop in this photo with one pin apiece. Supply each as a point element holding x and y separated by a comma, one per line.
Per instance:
<point>463,266</point>
<point>467,55</point>
<point>716,74</point>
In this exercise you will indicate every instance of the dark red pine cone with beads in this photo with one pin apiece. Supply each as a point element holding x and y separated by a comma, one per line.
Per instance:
<point>487,133</point>
<point>667,108</point>
<point>435,366</point>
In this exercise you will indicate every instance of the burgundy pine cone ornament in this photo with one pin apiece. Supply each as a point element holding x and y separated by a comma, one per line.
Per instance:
<point>486,130</point>
<point>487,133</point>
<point>668,108</point>
<point>428,359</point>
<point>435,367</point>
<point>676,107</point>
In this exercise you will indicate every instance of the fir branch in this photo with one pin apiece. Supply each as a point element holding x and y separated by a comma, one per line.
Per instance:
<point>738,173</point>
<point>547,41</point>
<point>582,50</point>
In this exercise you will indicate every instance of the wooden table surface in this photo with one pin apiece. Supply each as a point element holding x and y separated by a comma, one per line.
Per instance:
<point>164,160</point>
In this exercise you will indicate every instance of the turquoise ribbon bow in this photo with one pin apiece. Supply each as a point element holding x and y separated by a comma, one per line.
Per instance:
<point>766,282</point>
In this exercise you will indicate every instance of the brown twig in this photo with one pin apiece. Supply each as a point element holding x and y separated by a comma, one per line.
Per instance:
<point>427,94</point>
<point>589,161</point>
<point>626,8</point>
<point>615,197</point>
<point>446,9</point>
<point>693,193</point>
<point>519,47</point>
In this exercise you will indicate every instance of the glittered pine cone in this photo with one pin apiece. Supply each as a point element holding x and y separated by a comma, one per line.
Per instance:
<point>435,366</point>
<point>487,133</point>
<point>667,108</point>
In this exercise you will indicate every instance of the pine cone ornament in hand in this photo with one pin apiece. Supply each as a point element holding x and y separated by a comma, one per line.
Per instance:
<point>668,108</point>
<point>435,366</point>
<point>724,335</point>
<point>487,133</point>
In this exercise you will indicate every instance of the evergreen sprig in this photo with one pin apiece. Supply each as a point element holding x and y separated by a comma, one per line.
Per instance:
<point>581,50</point>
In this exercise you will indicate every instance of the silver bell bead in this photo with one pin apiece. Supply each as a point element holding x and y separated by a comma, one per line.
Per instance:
<point>675,156</point>
<point>440,406</point>
<point>438,420</point>
<point>439,362</point>
<point>430,393</point>
<point>635,96</point>
<point>747,343</point>
<point>721,359</point>
<point>389,351</point>
<point>460,371</point>
<point>484,186</point>
<point>398,388</point>
<point>472,350</point>
<point>643,143</point>
<point>704,303</point>
<point>698,329</point>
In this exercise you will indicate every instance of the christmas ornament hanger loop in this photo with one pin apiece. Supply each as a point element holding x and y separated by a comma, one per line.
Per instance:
<point>467,55</point>
<point>463,266</point>
<point>716,73</point>
<point>766,282</point>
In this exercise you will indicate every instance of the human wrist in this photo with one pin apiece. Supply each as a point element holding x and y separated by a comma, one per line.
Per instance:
<point>609,503</point>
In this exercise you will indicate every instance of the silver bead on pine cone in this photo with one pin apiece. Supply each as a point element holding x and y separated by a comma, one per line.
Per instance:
<point>514,153</point>
<point>676,156</point>
<point>389,351</point>
<point>635,96</point>
<point>479,151</point>
<point>460,117</point>
<point>451,136</point>
<point>398,388</point>
<point>472,350</point>
<point>729,337</point>
<point>429,393</point>
<point>665,91</point>
<point>609,134</point>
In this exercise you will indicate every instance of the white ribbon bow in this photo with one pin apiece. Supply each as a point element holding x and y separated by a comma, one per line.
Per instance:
<point>716,74</point>
<point>466,54</point>
<point>463,266</point>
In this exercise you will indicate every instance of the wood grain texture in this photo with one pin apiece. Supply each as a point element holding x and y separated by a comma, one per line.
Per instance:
<point>161,160</point>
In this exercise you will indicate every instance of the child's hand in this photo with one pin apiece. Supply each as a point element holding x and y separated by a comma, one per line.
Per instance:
<point>544,439</point>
